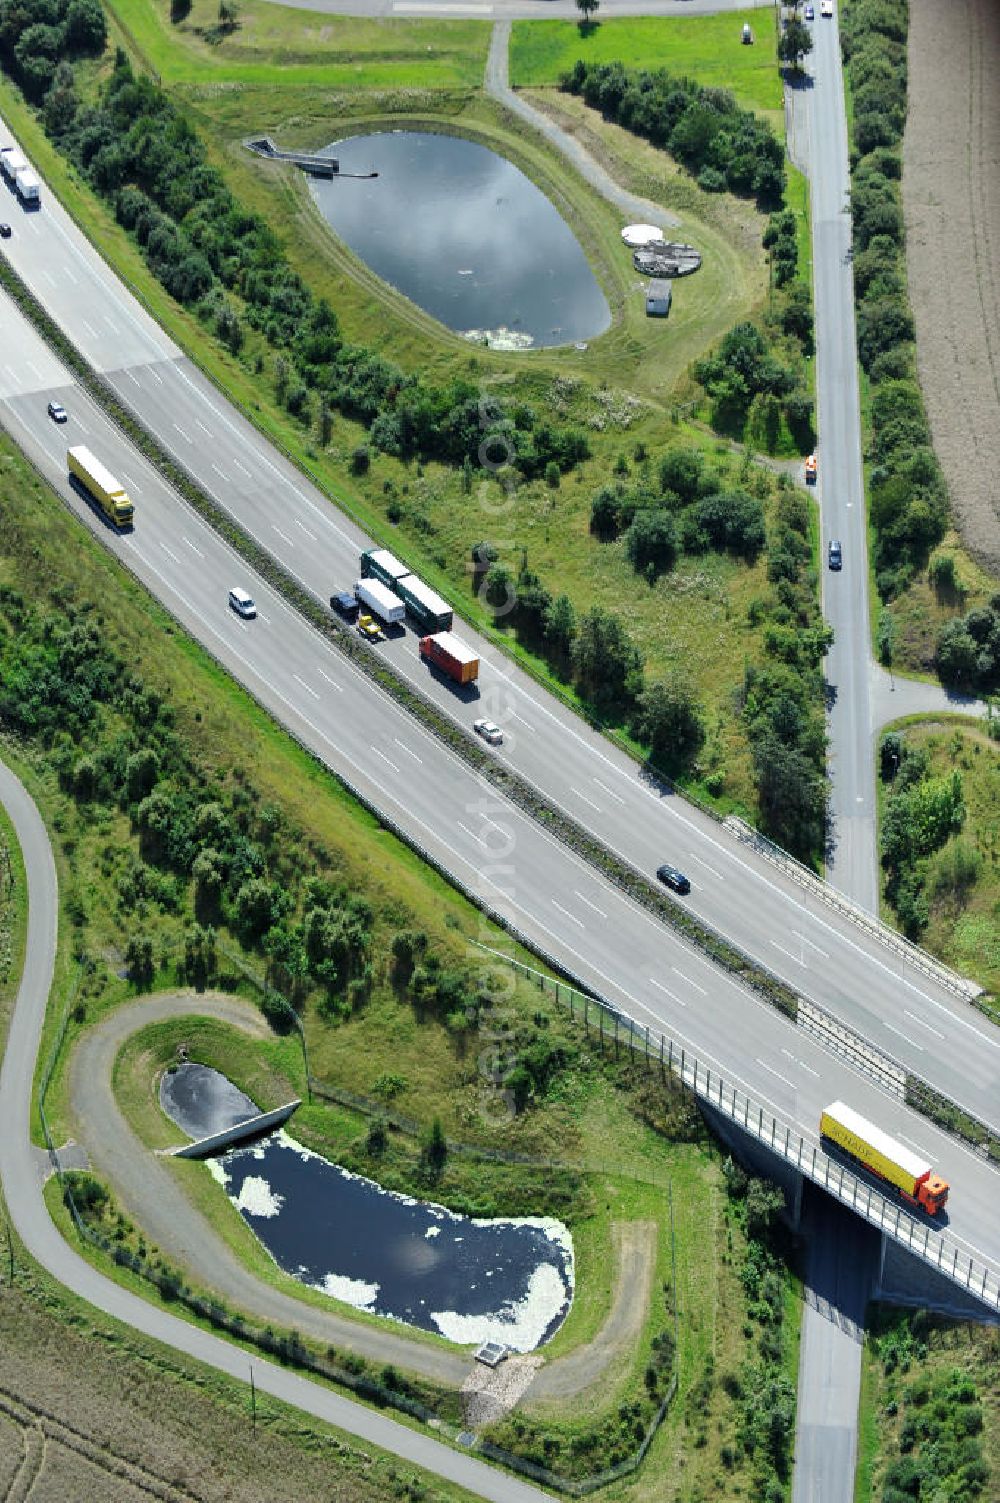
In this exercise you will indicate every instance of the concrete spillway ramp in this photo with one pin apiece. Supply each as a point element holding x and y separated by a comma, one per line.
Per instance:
<point>240,1132</point>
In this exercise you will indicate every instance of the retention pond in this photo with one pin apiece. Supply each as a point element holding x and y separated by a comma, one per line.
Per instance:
<point>466,236</point>
<point>471,1280</point>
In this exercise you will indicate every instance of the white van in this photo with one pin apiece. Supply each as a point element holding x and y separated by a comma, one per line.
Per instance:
<point>242,604</point>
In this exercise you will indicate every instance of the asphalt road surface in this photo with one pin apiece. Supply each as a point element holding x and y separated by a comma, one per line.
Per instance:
<point>560,904</point>
<point>852,863</point>
<point>22,1184</point>
<point>810,945</point>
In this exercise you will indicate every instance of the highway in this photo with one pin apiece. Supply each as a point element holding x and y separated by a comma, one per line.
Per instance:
<point>812,947</point>
<point>22,1179</point>
<point>507,859</point>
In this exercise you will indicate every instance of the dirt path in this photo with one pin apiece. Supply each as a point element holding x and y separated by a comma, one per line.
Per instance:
<point>497,83</point>
<point>951,199</point>
<point>149,1191</point>
<point>635,1259</point>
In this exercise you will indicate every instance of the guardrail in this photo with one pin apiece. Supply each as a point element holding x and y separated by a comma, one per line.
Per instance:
<point>920,959</point>
<point>508,784</point>
<point>942,1254</point>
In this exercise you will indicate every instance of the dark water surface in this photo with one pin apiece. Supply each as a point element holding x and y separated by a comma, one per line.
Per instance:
<point>466,236</point>
<point>470,1280</point>
<point>202,1101</point>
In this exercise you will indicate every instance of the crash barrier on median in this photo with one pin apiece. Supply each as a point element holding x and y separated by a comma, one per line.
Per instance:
<point>943,1254</point>
<point>626,877</point>
<point>920,959</point>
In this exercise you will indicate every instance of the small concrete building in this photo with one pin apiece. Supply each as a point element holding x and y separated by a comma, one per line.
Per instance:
<point>658,297</point>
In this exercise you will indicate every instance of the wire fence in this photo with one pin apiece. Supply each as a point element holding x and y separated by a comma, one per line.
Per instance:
<point>931,1245</point>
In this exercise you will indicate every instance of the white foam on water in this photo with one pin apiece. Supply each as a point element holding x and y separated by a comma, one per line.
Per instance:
<point>349,1291</point>
<point>519,1326</point>
<point>257,1198</point>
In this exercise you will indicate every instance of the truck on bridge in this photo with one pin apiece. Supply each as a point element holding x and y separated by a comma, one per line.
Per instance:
<point>874,1149</point>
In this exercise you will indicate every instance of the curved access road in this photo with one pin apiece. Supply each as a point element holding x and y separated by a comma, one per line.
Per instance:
<point>498,84</point>
<point>22,1186</point>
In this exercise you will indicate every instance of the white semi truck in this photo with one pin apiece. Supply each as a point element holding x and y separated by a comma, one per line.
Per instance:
<point>380,600</point>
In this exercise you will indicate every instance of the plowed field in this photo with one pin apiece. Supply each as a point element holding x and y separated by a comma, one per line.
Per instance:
<point>951,195</point>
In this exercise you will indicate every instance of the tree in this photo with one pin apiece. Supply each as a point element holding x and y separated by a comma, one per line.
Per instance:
<point>795,43</point>
<point>607,666</point>
<point>793,796</point>
<point>199,956</point>
<point>669,723</point>
<point>141,771</point>
<point>681,473</point>
<point>139,959</point>
<point>86,28</point>
<point>651,541</point>
<point>560,629</point>
<point>604,514</point>
<point>764,1202</point>
<point>434,1153</point>
<point>587,9</point>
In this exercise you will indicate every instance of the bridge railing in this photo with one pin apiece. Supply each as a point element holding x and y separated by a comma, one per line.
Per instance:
<point>933,1247</point>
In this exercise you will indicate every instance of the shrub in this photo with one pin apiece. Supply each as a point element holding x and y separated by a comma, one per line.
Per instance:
<point>651,541</point>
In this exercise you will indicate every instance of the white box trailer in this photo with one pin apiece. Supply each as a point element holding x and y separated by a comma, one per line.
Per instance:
<point>12,162</point>
<point>380,600</point>
<point>29,189</point>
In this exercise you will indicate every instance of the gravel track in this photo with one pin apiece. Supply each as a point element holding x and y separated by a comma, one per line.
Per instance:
<point>498,85</point>
<point>151,1194</point>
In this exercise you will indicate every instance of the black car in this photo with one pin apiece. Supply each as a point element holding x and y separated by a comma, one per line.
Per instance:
<point>673,878</point>
<point>345,605</point>
<point>5,231</point>
<point>836,555</point>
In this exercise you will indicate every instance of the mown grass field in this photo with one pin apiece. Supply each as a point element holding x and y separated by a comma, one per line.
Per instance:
<point>276,46</point>
<point>964,927</point>
<point>707,48</point>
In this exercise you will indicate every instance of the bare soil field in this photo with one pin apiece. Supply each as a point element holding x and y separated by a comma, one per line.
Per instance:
<point>91,1412</point>
<point>951,199</point>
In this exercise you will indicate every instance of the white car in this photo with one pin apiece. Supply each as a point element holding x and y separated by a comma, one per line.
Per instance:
<point>826,8</point>
<point>242,604</point>
<point>489,732</point>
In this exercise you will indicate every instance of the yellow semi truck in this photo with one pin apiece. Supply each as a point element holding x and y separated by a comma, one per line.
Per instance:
<point>109,493</point>
<point>905,1170</point>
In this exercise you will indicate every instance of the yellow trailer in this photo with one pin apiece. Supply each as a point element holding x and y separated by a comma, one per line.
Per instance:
<point>109,493</point>
<point>911,1175</point>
